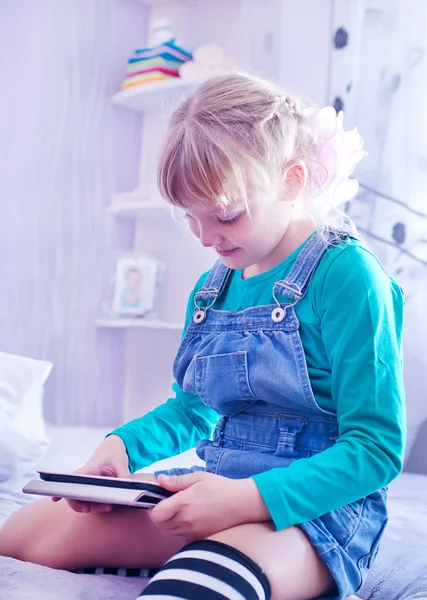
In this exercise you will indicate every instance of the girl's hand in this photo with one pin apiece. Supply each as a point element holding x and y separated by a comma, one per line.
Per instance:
<point>207,503</point>
<point>109,460</point>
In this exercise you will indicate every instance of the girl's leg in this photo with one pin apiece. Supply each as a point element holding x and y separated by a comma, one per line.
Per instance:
<point>244,562</point>
<point>53,535</point>
<point>292,566</point>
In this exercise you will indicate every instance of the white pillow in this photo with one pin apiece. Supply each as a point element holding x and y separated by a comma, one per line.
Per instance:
<point>23,440</point>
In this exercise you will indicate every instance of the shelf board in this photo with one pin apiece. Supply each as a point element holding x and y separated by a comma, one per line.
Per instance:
<point>137,323</point>
<point>150,97</point>
<point>154,3</point>
<point>138,209</point>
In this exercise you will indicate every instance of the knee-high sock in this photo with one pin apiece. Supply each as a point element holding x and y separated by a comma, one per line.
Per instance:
<point>208,570</point>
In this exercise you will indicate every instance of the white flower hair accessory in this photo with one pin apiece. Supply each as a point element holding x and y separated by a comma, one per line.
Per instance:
<point>337,154</point>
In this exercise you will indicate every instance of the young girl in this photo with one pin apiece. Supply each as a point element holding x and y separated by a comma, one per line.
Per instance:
<point>288,377</point>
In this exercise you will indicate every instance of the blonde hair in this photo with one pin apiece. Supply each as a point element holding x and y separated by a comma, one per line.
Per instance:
<point>234,134</point>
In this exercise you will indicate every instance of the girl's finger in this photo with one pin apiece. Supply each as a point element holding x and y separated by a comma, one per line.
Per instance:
<point>101,508</point>
<point>177,483</point>
<point>171,527</point>
<point>164,511</point>
<point>80,507</point>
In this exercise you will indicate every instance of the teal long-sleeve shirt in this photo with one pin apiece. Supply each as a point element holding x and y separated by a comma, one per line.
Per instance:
<point>351,328</point>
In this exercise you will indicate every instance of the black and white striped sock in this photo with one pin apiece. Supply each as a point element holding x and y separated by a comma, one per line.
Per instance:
<point>120,571</point>
<point>209,570</point>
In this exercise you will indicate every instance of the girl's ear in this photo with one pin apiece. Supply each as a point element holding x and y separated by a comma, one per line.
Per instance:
<point>294,175</point>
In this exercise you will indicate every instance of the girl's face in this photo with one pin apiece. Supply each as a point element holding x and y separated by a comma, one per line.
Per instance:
<point>252,242</point>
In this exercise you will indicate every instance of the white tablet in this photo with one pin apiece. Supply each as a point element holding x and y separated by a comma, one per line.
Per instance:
<point>140,491</point>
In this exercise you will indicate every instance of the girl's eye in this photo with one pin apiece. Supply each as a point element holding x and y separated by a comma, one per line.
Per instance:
<point>228,221</point>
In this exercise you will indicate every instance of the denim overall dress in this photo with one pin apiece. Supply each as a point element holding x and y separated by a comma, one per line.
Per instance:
<point>250,367</point>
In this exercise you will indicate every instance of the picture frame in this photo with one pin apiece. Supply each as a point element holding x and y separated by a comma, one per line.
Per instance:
<point>135,285</point>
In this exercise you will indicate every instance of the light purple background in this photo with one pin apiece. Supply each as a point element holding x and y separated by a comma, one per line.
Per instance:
<point>64,149</point>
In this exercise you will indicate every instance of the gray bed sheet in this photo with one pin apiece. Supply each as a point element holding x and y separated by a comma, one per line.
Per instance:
<point>399,573</point>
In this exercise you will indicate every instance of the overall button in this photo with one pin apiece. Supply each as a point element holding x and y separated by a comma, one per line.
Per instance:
<point>199,316</point>
<point>278,314</point>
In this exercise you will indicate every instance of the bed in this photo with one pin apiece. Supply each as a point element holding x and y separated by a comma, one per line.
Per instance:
<point>400,572</point>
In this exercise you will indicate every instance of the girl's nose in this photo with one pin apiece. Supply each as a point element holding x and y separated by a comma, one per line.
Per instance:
<point>209,237</point>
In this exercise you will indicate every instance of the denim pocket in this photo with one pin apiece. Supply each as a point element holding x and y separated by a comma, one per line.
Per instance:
<point>222,382</point>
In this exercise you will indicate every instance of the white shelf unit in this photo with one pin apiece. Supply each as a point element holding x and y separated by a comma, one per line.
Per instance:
<point>150,345</point>
<point>151,97</point>
<point>155,3</point>
<point>138,323</point>
<point>137,210</point>
<point>151,348</point>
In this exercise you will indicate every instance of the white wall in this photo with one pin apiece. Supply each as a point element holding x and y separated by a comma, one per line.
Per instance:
<point>64,150</point>
<point>289,42</point>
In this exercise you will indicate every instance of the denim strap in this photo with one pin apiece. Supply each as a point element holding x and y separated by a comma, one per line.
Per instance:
<point>295,285</point>
<point>214,283</point>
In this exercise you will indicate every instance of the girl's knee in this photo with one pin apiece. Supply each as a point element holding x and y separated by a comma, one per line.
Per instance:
<point>11,542</point>
<point>17,542</point>
<point>23,537</point>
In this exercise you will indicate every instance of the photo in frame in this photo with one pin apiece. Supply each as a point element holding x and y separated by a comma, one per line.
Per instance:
<point>136,282</point>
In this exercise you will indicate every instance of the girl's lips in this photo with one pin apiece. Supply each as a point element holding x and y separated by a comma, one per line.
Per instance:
<point>226,252</point>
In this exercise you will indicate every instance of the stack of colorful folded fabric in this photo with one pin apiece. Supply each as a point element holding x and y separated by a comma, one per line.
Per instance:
<point>155,64</point>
